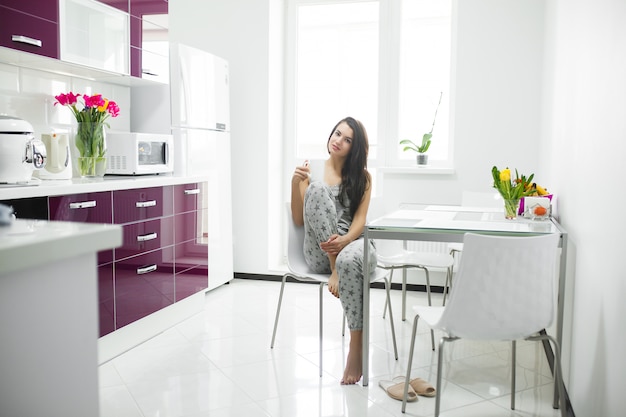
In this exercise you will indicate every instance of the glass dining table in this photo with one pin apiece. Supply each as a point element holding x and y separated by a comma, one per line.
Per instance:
<point>436,223</point>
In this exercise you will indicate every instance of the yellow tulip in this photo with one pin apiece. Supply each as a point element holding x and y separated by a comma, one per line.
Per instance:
<point>104,106</point>
<point>505,175</point>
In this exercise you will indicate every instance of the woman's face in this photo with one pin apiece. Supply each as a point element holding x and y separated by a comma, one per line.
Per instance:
<point>340,141</point>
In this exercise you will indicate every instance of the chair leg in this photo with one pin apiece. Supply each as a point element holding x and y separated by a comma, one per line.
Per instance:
<point>321,323</point>
<point>280,301</point>
<point>409,364</point>
<point>559,387</point>
<point>432,332</point>
<point>448,284</point>
<point>439,367</point>
<point>403,294</point>
<point>513,367</point>
<point>393,328</point>
<point>387,304</point>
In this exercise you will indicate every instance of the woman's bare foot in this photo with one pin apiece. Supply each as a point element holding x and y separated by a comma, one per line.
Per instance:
<point>333,284</point>
<point>354,364</point>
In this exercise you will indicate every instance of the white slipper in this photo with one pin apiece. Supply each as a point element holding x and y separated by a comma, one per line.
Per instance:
<point>419,385</point>
<point>395,390</point>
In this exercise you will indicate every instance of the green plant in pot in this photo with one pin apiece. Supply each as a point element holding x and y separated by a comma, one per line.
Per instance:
<point>409,145</point>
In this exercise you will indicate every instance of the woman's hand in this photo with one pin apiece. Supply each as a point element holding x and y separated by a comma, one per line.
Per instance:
<point>334,244</point>
<point>301,173</point>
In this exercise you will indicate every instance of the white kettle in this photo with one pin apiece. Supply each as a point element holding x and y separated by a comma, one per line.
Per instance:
<point>20,152</point>
<point>59,161</point>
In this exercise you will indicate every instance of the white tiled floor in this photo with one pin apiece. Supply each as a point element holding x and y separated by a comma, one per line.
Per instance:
<point>219,363</point>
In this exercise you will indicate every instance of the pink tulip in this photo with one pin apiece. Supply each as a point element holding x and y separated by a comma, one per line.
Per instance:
<point>113,109</point>
<point>66,99</point>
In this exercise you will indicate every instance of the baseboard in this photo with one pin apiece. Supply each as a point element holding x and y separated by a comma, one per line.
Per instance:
<point>394,286</point>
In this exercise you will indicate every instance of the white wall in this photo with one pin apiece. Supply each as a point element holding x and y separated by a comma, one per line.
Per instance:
<point>540,86</point>
<point>496,103</point>
<point>586,136</point>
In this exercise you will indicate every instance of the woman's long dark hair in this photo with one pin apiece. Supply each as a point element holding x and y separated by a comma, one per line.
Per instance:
<point>354,177</point>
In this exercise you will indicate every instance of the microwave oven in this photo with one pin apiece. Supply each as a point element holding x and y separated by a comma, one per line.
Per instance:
<point>139,153</point>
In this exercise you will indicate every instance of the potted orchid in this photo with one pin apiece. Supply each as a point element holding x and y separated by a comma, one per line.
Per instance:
<point>91,116</point>
<point>422,158</point>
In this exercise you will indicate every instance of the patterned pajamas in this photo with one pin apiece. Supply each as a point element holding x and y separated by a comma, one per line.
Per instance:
<point>323,216</point>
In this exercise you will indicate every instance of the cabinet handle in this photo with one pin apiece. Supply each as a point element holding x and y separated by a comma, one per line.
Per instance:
<point>26,40</point>
<point>149,236</point>
<point>83,204</point>
<point>191,192</point>
<point>146,269</point>
<point>150,203</point>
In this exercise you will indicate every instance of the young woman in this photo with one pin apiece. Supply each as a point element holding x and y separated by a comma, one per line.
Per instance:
<point>333,211</point>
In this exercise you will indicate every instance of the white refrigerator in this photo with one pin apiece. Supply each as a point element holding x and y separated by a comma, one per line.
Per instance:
<point>200,124</point>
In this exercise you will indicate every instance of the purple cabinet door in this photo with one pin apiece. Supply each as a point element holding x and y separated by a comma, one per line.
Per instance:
<point>145,237</point>
<point>187,226</point>
<point>140,8</point>
<point>142,204</point>
<point>118,4</point>
<point>28,33</point>
<point>188,197</point>
<point>48,10</point>
<point>191,267</point>
<point>106,304</point>
<point>86,208</point>
<point>143,284</point>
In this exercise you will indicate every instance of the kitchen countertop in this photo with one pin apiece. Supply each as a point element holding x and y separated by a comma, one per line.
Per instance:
<point>84,185</point>
<point>32,243</point>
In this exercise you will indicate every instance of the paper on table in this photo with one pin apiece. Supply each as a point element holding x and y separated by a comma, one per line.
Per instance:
<point>465,208</point>
<point>420,214</point>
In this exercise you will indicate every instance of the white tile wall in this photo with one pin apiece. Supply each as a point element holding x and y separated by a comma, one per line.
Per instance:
<point>29,94</point>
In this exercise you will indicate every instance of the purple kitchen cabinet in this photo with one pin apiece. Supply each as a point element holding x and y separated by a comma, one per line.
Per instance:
<point>188,197</point>
<point>29,33</point>
<point>143,284</point>
<point>86,208</point>
<point>146,236</point>
<point>139,8</point>
<point>118,4</point>
<point>135,62</point>
<point>136,36</point>
<point>106,303</point>
<point>191,268</point>
<point>142,204</point>
<point>187,226</point>
<point>105,257</point>
<point>48,10</point>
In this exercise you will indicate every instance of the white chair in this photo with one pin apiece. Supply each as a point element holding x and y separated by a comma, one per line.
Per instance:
<point>488,200</point>
<point>394,255</point>
<point>504,290</point>
<point>299,270</point>
<point>406,259</point>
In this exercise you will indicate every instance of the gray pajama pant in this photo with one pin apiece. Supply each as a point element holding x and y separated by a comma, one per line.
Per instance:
<point>321,219</point>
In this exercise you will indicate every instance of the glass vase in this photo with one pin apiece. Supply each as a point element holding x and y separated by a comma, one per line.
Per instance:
<point>510,208</point>
<point>91,166</point>
<point>91,144</point>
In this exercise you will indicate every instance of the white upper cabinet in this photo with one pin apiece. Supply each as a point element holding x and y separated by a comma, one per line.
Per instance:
<point>94,34</point>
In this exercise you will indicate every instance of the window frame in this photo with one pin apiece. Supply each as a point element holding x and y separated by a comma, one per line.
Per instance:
<point>387,134</point>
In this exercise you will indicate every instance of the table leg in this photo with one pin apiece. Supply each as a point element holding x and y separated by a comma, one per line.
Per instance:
<point>366,309</point>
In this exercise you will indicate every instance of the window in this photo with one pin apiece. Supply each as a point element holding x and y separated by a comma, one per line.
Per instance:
<point>383,62</point>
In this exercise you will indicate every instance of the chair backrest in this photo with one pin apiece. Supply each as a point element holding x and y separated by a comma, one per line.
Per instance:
<point>504,288</point>
<point>295,245</point>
